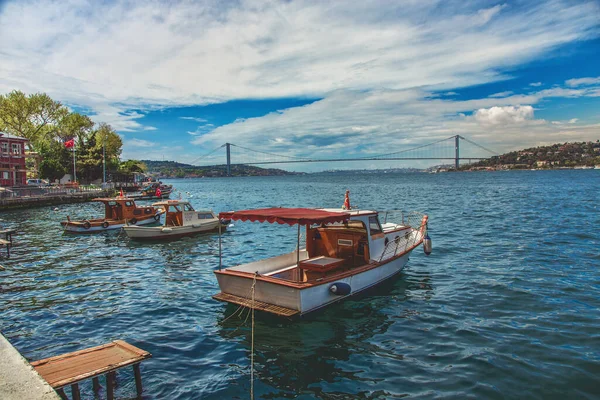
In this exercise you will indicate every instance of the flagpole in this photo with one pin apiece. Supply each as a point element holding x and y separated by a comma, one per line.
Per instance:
<point>74,167</point>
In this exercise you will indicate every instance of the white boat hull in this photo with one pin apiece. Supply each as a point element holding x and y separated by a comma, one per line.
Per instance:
<point>161,232</point>
<point>313,297</point>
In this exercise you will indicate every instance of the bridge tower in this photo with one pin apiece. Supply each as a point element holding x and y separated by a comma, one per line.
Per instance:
<point>228,149</point>
<point>456,152</point>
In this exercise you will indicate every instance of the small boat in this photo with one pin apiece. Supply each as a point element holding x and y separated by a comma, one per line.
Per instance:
<point>346,252</point>
<point>153,191</point>
<point>118,211</point>
<point>180,220</point>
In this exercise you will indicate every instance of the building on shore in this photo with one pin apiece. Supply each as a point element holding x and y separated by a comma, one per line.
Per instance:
<point>13,171</point>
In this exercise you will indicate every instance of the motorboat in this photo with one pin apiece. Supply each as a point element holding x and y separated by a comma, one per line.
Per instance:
<point>180,220</point>
<point>153,191</point>
<point>345,252</point>
<point>118,211</point>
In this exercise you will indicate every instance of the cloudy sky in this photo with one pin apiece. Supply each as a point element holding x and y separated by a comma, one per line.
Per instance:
<point>319,79</point>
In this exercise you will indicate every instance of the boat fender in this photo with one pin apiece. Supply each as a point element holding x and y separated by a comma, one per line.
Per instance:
<point>166,230</point>
<point>105,224</point>
<point>386,241</point>
<point>87,224</point>
<point>133,221</point>
<point>427,245</point>
<point>156,217</point>
<point>225,221</point>
<point>340,289</point>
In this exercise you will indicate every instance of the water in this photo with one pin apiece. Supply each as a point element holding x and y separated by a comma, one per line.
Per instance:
<point>507,306</point>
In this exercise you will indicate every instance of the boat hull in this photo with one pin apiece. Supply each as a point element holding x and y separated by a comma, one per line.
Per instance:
<point>78,226</point>
<point>310,297</point>
<point>160,233</point>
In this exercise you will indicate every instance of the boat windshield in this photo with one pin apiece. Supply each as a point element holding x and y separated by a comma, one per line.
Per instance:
<point>188,207</point>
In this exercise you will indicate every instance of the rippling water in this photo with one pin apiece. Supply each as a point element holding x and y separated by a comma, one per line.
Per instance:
<point>506,306</point>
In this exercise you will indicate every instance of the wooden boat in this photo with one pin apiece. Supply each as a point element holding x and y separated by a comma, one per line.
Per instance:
<point>346,252</point>
<point>118,212</point>
<point>180,220</point>
<point>153,191</point>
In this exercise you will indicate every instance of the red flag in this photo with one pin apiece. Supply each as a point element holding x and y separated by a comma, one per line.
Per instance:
<point>69,144</point>
<point>158,192</point>
<point>121,195</point>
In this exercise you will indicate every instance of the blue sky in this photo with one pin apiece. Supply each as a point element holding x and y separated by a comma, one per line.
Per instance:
<point>312,78</point>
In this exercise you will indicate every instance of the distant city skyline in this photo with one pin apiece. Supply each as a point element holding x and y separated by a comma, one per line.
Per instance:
<point>178,79</point>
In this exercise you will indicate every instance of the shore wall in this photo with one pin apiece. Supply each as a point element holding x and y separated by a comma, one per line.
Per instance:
<point>54,199</point>
<point>18,379</point>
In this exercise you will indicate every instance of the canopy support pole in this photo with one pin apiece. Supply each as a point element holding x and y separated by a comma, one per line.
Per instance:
<point>298,272</point>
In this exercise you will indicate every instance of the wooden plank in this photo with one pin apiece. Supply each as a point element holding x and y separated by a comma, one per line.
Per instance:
<point>4,242</point>
<point>73,367</point>
<point>258,305</point>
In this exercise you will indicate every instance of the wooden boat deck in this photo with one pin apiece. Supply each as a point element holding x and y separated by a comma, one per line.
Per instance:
<point>258,305</point>
<point>70,368</point>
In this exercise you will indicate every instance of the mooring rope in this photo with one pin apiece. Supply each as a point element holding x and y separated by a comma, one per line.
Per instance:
<point>252,343</point>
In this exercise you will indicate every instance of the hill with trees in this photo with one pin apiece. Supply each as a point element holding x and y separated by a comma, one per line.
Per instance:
<point>560,155</point>
<point>173,169</point>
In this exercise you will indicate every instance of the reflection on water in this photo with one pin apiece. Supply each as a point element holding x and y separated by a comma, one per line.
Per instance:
<point>506,306</point>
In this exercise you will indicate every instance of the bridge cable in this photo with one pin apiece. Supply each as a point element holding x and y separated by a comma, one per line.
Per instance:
<point>267,153</point>
<point>206,155</point>
<point>478,145</point>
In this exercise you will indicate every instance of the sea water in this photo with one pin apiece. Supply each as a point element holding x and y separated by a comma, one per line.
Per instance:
<point>507,306</point>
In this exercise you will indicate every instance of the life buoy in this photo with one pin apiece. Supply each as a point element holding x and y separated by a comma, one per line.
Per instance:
<point>105,224</point>
<point>87,225</point>
<point>133,221</point>
<point>156,217</point>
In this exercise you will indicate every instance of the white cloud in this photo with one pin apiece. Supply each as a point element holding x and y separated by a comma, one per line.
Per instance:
<point>131,143</point>
<point>573,120</point>
<point>535,84</point>
<point>115,56</point>
<point>501,94</point>
<point>193,119</point>
<point>503,115</point>
<point>583,81</point>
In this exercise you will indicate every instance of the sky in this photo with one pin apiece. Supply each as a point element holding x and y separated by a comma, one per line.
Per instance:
<point>320,79</point>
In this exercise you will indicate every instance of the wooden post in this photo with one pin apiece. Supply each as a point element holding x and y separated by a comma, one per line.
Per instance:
<point>138,379</point>
<point>110,386</point>
<point>96,384</point>
<point>75,392</point>
<point>61,393</point>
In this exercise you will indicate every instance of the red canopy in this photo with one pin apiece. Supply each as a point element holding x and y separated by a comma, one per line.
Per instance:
<point>290,216</point>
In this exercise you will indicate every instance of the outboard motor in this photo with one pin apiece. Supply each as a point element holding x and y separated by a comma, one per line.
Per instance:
<point>340,289</point>
<point>427,244</point>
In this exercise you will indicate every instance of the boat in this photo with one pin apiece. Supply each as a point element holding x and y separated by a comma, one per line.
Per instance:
<point>153,191</point>
<point>180,220</point>
<point>118,211</point>
<point>346,251</point>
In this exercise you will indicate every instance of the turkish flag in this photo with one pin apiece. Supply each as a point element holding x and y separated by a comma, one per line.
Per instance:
<point>69,144</point>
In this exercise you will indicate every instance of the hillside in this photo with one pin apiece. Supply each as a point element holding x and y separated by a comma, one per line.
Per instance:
<point>560,155</point>
<point>173,169</point>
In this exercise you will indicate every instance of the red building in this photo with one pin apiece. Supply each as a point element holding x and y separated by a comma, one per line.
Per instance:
<point>12,160</point>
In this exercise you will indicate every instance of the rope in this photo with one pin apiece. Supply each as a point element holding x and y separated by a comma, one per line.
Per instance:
<point>252,345</point>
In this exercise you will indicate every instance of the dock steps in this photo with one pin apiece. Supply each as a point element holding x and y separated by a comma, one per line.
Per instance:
<point>258,305</point>
<point>71,368</point>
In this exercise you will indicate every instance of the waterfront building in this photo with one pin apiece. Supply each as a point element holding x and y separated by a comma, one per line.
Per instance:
<point>13,171</point>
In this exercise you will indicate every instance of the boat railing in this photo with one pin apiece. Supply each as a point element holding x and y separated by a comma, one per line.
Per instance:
<point>405,241</point>
<point>412,218</point>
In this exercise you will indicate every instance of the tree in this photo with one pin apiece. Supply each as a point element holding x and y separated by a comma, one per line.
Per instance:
<point>131,166</point>
<point>35,117</point>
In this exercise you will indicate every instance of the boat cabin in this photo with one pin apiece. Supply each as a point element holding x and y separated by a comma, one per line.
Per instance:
<point>336,241</point>
<point>181,213</point>
<point>118,209</point>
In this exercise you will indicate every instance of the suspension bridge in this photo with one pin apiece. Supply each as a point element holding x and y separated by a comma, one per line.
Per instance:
<point>449,149</point>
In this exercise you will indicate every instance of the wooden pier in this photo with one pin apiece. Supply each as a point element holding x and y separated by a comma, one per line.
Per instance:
<point>50,199</point>
<point>72,368</point>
